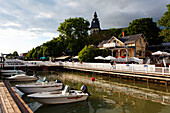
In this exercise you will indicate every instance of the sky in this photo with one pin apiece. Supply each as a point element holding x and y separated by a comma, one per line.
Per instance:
<point>26,24</point>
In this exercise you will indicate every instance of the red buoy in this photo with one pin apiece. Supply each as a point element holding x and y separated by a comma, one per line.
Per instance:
<point>92,79</point>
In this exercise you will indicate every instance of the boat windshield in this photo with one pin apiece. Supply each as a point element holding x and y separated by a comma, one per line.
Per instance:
<point>66,90</point>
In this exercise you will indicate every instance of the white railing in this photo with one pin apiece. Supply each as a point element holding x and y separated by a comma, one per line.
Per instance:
<point>119,67</point>
<point>143,68</point>
<point>109,45</point>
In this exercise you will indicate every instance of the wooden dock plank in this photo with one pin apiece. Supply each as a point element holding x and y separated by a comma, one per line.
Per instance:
<point>8,104</point>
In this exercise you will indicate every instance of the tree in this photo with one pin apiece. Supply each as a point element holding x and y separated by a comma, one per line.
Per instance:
<point>165,22</point>
<point>15,53</point>
<point>147,27</point>
<point>87,53</point>
<point>96,38</point>
<point>75,31</point>
<point>40,52</point>
<point>54,47</point>
<point>30,53</point>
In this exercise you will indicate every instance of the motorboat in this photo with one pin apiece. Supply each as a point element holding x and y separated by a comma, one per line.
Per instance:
<point>22,77</point>
<point>60,97</point>
<point>38,87</point>
<point>7,73</point>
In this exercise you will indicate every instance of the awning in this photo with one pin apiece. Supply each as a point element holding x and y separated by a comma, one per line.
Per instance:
<point>76,57</point>
<point>62,57</point>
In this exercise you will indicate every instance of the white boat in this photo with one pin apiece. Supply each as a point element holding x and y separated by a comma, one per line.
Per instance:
<point>39,87</point>
<point>7,73</point>
<point>60,97</point>
<point>22,77</point>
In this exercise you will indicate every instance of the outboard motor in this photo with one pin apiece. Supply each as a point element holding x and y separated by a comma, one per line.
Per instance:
<point>44,79</point>
<point>58,81</point>
<point>35,76</point>
<point>85,90</point>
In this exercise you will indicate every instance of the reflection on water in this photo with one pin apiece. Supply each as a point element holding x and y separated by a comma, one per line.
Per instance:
<point>79,107</point>
<point>109,95</point>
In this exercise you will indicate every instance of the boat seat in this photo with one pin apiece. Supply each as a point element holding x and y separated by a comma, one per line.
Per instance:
<point>66,90</point>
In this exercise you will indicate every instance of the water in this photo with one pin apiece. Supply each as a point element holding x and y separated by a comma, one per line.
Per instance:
<point>109,95</point>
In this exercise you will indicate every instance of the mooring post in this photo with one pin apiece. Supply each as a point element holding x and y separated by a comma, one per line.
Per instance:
<point>148,81</point>
<point>166,83</point>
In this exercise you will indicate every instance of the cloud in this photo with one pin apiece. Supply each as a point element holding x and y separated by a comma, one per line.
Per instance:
<point>38,20</point>
<point>73,4</point>
<point>9,24</point>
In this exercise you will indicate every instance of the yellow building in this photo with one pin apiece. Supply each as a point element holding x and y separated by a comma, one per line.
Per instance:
<point>127,46</point>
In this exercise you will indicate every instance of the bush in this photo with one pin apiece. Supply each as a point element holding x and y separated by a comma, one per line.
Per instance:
<point>87,53</point>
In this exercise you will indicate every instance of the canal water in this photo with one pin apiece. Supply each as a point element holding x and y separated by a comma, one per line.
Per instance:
<point>108,95</point>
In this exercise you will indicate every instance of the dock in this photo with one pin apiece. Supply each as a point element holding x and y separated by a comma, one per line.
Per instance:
<point>136,72</point>
<point>10,101</point>
<point>147,73</point>
<point>153,78</point>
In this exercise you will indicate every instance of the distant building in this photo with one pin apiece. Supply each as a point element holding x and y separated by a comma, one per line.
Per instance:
<point>22,56</point>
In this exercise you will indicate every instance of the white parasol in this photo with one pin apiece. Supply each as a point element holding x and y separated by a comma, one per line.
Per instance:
<point>109,58</point>
<point>99,58</point>
<point>161,53</point>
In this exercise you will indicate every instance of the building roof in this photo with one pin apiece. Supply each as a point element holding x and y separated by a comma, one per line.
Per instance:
<point>130,39</point>
<point>126,39</point>
<point>103,42</point>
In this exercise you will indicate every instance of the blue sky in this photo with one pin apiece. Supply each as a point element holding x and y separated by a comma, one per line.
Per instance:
<point>25,24</point>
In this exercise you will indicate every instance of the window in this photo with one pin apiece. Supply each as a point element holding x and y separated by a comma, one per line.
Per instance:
<point>140,41</point>
<point>140,53</point>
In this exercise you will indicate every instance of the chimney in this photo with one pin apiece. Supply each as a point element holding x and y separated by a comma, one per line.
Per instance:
<point>123,33</point>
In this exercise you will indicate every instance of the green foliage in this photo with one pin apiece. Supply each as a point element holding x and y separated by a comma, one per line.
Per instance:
<point>165,22</point>
<point>15,53</point>
<point>96,38</point>
<point>101,52</point>
<point>30,53</point>
<point>75,31</point>
<point>147,27</point>
<point>40,52</point>
<point>87,53</point>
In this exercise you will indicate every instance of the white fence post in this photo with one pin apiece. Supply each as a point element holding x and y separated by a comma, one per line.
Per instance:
<point>146,69</point>
<point>163,70</point>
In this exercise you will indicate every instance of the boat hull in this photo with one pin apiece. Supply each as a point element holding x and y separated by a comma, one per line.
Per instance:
<point>22,77</point>
<point>38,88</point>
<point>61,100</point>
<point>46,98</point>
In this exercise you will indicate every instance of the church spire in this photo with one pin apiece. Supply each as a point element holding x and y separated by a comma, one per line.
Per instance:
<point>95,15</point>
<point>95,24</point>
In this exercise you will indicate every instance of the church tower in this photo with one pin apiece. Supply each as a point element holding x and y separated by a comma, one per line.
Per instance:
<point>95,24</point>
